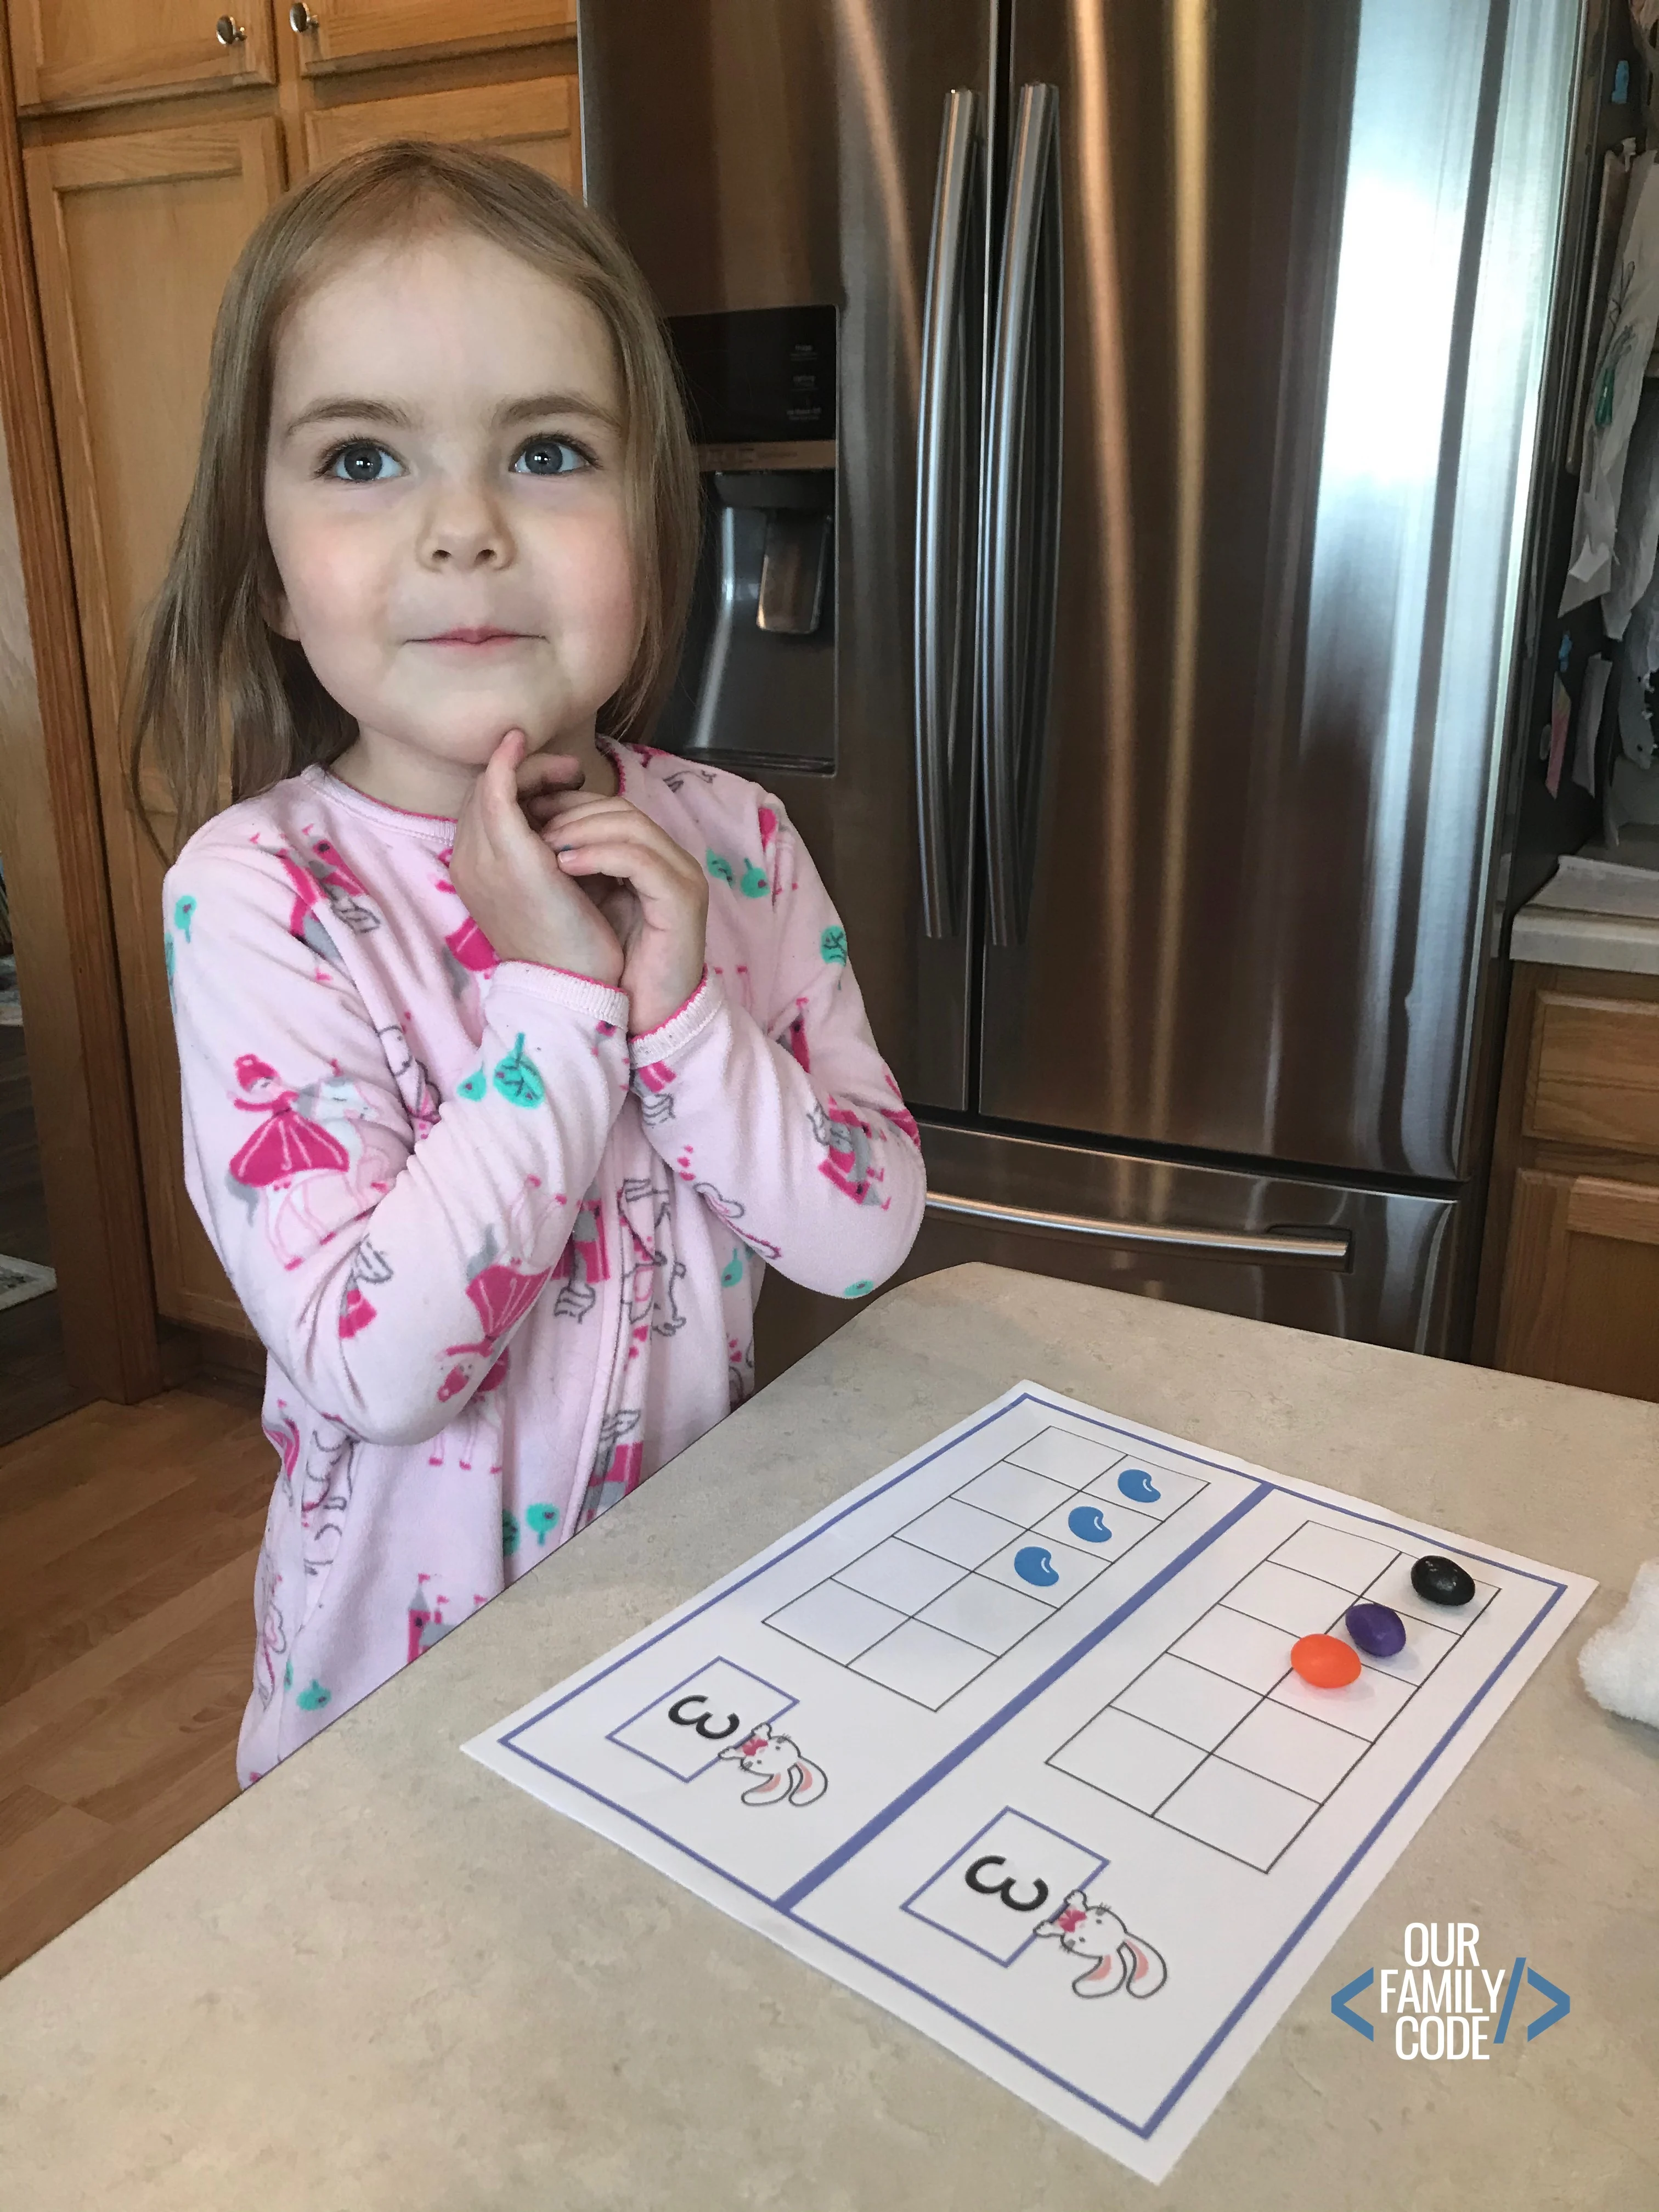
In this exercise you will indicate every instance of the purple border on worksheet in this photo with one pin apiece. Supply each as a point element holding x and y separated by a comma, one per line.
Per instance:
<point>788,1901</point>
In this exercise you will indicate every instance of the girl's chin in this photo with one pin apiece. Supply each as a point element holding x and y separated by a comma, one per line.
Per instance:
<point>468,741</point>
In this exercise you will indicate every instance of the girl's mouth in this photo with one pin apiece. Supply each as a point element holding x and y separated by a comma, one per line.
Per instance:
<point>482,636</point>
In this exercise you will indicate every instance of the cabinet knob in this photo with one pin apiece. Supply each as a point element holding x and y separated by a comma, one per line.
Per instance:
<point>300,18</point>
<point>228,32</point>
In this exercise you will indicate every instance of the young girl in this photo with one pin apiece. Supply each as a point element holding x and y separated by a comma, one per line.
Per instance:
<point>511,1052</point>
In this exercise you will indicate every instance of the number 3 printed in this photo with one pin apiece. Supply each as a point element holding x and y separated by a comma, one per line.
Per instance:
<point>1005,1889</point>
<point>680,1712</point>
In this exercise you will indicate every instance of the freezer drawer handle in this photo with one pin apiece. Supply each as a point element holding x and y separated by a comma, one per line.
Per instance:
<point>946,491</point>
<point>1275,1248</point>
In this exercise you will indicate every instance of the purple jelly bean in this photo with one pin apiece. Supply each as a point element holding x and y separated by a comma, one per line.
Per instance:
<point>1376,1629</point>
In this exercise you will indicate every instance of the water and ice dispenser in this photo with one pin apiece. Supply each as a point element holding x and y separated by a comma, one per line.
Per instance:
<point>756,688</point>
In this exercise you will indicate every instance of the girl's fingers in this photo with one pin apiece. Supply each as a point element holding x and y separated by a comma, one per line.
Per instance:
<point>579,829</point>
<point>652,875</point>
<point>562,805</point>
<point>496,789</point>
<point>654,880</point>
<point>546,775</point>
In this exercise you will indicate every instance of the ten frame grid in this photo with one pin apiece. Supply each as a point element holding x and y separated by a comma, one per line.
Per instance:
<point>1213,1753</point>
<point>1038,1449</point>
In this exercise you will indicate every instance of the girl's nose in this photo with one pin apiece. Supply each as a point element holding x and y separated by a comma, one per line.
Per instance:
<point>463,527</point>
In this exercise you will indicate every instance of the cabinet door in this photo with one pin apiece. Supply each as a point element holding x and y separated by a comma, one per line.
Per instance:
<point>535,122</point>
<point>134,238</point>
<point>359,33</point>
<point>1581,1284</point>
<point>81,53</point>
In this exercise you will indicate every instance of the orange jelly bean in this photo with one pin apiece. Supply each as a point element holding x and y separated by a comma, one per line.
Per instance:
<point>1325,1660</point>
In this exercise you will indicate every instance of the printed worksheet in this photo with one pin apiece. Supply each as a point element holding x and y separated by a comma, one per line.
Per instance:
<point>1074,1745</point>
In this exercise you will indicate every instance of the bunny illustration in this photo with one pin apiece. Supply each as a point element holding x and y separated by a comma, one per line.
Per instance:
<point>1116,1959</point>
<point>777,1759</point>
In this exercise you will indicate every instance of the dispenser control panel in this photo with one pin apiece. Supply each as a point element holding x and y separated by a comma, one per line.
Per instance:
<point>759,376</point>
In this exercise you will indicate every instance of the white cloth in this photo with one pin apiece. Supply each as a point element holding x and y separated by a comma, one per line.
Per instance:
<point>1620,1663</point>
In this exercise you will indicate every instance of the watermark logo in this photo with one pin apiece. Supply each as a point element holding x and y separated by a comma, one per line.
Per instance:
<point>1443,2003</point>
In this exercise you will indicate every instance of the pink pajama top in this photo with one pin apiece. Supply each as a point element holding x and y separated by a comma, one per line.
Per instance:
<point>504,1257</point>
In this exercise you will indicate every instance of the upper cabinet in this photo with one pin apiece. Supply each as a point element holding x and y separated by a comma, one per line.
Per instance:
<point>534,120</point>
<point>339,34</point>
<point>86,53</point>
<point>72,54</point>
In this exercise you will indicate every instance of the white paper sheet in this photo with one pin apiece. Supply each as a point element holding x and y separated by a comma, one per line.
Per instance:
<point>1007,1739</point>
<point>1591,700</point>
<point>1632,317</point>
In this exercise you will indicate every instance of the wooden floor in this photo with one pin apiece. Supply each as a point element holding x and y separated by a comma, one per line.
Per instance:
<point>34,1384</point>
<point>128,1535</point>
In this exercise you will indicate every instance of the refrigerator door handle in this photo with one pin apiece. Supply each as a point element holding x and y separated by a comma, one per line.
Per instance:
<point>1282,1247</point>
<point>942,506</point>
<point>1021,528</point>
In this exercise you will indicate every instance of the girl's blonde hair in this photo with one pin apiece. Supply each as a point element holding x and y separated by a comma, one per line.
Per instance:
<point>213,666</point>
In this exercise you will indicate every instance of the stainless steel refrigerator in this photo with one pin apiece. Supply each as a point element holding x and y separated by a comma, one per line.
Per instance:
<point>1130,434</point>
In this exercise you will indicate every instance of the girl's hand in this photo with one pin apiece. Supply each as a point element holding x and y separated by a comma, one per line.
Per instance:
<point>652,892</point>
<point>512,886</point>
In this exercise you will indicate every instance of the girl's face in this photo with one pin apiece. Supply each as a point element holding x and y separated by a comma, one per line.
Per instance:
<point>444,497</point>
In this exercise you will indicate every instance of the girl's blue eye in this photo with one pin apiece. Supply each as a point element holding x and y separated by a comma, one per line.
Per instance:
<point>551,457</point>
<point>362,462</point>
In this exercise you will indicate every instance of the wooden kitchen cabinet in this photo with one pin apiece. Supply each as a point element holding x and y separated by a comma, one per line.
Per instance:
<point>1581,1297</point>
<point>135,216</point>
<point>1571,1269</point>
<point>343,34</point>
<point>534,121</point>
<point>133,237</point>
<point>84,54</point>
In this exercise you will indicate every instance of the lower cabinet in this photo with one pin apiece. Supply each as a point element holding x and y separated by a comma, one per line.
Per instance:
<point>1581,1290</point>
<point>1571,1270</point>
<point>134,235</point>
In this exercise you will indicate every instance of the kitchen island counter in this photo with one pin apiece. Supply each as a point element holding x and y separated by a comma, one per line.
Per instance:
<point>384,1979</point>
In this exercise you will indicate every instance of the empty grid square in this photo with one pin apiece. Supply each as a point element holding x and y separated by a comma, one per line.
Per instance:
<point>1364,1707</point>
<point>1146,1485</point>
<point>1126,1758</point>
<point>1286,1747</point>
<point>897,1574</point>
<point>1016,1493</point>
<point>1244,1649</point>
<point>1067,1458</point>
<point>922,1664</point>
<point>1336,1555</point>
<point>1093,1526</point>
<point>835,1620</point>
<point>985,1612</point>
<point>958,1532</point>
<point>1188,1700</point>
<point>1053,1572</point>
<point>1299,1604</point>
<point>1244,1815</point>
<point>1394,1586</point>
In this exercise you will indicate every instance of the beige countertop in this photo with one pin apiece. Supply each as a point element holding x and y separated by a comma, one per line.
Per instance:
<point>1600,909</point>
<point>384,1977</point>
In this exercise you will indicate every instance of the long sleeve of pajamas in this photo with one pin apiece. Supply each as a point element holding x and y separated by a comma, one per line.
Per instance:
<point>503,1258</point>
